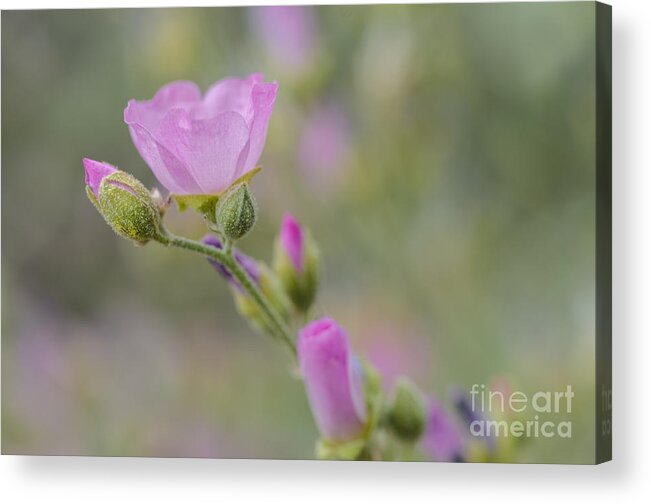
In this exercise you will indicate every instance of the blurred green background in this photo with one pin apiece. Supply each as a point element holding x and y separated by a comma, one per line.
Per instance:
<point>443,157</point>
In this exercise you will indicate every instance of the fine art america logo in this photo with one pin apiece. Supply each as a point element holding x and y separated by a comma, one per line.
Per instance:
<point>550,410</point>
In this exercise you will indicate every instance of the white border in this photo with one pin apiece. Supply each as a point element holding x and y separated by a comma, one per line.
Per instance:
<point>69,479</point>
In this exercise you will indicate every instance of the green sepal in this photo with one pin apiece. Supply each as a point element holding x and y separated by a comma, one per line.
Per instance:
<point>350,450</point>
<point>127,206</point>
<point>373,396</point>
<point>93,199</point>
<point>246,178</point>
<point>206,204</point>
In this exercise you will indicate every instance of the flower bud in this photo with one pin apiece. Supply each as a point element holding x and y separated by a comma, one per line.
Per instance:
<point>442,439</point>
<point>296,262</point>
<point>123,201</point>
<point>406,413</point>
<point>236,212</point>
<point>333,381</point>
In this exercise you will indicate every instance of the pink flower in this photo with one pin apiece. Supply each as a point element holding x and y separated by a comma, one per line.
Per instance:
<point>333,380</point>
<point>95,173</point>
<point>198,145</point>
<point>292,241</point>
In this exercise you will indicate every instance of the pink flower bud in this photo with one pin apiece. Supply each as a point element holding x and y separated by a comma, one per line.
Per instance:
<point>292,241</point>
<point>198,145</point>
<point>333,380</point>
<point>95,173</point>
<point>126,204</point>
<point>296,263</point>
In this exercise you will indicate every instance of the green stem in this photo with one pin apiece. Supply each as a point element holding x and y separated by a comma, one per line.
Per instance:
<point>225,257</point>
<point>228,246</point>
<point>254,291</point>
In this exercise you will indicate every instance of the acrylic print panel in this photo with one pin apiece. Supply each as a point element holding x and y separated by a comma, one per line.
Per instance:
<point>412,275</point>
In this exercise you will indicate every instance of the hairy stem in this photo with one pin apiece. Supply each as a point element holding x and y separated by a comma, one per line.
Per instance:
<point>276,324</point>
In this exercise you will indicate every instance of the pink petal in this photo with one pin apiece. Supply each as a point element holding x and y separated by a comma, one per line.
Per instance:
<point>167,168</point>
<point>263,98</point>
<point>95,173</point>
<point>180,94</point>
<point>332,380</point>
<point>291,239</point>
<point>213,149</point>
<point>229,95</point>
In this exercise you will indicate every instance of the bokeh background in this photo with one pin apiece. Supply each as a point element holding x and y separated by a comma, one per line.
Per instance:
<point>443,157</point>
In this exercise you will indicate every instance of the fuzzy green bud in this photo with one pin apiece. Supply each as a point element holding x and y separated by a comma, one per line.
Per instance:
<point>406,414</point>
<point>124,202</point>
<point>236,212</point>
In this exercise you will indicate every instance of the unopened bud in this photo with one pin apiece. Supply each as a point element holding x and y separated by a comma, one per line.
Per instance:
<point>124,202</point>
<point>406,415</point>
<point>296,262</point>
<point>236,213</point>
